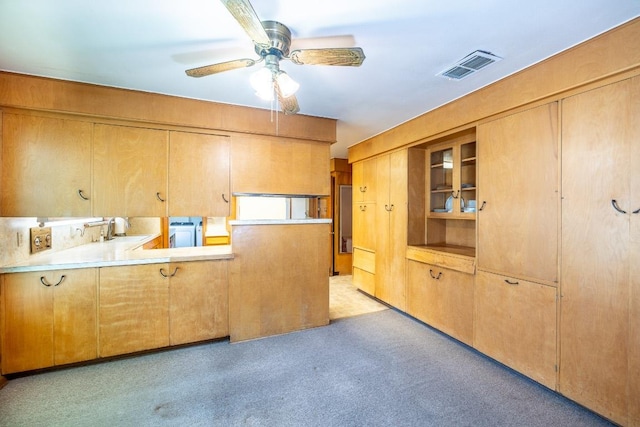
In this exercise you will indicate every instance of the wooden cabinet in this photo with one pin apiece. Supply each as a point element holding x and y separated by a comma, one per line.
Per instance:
<point>518,188</point>
<point>130,171</point>
<point>364,270</point>
<point>199,301</point>
<point>279,279</point>
<point>134,308</point>
<point>364,181</point>
<point>600,358</point>
<point>391,228</point>
<point>442,298</point>
<point>452,179</point>
<point>515,323</point>
<point>364,225</point>
<point>151,306</point>
<point>198,175</point>
<point>271,165</point>
<point>48,318</point>
<point>32,183</point>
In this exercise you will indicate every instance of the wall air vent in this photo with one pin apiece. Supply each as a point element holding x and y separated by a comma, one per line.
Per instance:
<point>469,65</point>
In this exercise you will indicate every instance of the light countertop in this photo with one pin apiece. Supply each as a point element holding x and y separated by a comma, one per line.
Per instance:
<point>126,250</point>
<point>280,221</point>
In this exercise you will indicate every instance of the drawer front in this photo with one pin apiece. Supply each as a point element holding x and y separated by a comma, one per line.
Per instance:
<point>364,281</point>
<point>364,260</point>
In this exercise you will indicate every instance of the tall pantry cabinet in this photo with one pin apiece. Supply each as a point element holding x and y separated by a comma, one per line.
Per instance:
<point>600,304</point>
<point>363,178</point>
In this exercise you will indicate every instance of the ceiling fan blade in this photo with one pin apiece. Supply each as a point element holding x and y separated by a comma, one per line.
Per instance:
<point>347,56</point>
<point>243,12</point>
<point>289,105</point>
<point>220,67</point>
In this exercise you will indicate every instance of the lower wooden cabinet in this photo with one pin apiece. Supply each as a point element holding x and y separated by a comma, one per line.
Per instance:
<point>364,269</point>
<point>198,301</point>
<point>515,323</point>
<point>442,298</point>
<point>48,318</point>
<point>150,306</point>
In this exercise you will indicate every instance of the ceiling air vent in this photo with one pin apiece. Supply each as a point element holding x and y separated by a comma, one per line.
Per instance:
<point>469,65</point>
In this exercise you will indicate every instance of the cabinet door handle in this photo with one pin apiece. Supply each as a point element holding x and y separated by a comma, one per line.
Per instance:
<point>82,196</point>
<point>512,283</point>
<point>388,208</point>
<point>363,208</point>
<point>160,198</point>
<point>614,203</point>
<point>363,189</point>
<point>484,202</point>
<point>163,274</point>
<point>224,198</point>
<point>45,282</point>
<point>637,211</point>
<point>456,194</point>
<point>433,276</point>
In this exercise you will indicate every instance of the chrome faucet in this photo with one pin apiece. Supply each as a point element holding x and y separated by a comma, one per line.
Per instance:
<point>110,227</point>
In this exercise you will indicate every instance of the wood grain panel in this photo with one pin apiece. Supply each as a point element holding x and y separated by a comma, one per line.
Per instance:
<point>45,162</point>
<point>279,279</point>
<point>130,171</point>
<point>199,301</point>
<point>518,180</point>
<point>516,325</point>
<point>596,167</point>
<point>134,309</point>
<point>199,176</point>
<point>442,298</point>
<point>464,264</point>
<point>364,260</point>
<point>364,280</point>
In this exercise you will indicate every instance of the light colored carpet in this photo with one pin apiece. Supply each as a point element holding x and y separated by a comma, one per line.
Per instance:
<point>378,369</point>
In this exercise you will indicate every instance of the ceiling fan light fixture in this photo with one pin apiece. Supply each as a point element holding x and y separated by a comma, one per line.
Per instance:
<point>262,82</point>
<point>287,85</point>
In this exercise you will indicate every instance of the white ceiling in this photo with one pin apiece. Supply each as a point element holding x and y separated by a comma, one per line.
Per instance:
<point>147,45</point>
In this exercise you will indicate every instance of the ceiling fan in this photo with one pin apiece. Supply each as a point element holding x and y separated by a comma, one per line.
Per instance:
<point>272,41</point>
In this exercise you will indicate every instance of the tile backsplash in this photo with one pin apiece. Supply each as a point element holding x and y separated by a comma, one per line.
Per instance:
<point>15,234</point>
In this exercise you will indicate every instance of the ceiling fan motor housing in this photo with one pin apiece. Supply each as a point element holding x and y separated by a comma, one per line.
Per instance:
<point>280,37</point>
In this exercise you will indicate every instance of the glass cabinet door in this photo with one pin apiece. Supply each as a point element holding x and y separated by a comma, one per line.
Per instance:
<point>468,178</point>
<point>441,182</point>
<point>452,181</point>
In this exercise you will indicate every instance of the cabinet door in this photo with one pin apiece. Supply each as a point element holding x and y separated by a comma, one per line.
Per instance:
<point>364,226</point>
<point>134,308</point>
<point>27,323</point>
<point>364,180</point>
<point>515,323</point>
<point>391,228</point>
<point>48,318</point>
<point>599,154</point>
<point>199,301</point>
<point>75,321</point>
<point>518,186</point>
<point>279,166</point>
<point>130,171</point>
<point>34,184</point>
<point>198,175</point>
<point>441,298</point>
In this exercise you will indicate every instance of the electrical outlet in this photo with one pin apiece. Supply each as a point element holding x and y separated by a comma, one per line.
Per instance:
<point>40,239</point>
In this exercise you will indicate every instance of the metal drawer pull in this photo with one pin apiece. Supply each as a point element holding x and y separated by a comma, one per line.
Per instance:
<point>171,275</point>
<point>387,208</point>
<point>511,283</point>
<point>363,189</point>
<point>484,202</point>
<point>637,211</point>
<point>614,203</point>
<point>224,198</point>
<point>363,208</point>
<point>46,282</point>
<point>82,196</point>
<point>435,277</point>
<point>160,198</point>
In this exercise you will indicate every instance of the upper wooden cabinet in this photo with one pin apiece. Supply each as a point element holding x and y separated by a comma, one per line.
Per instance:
<point>198,175</point>
<point>270,165</point>
<point>600,306</point>
<point>46,166</point>
<point>518,195</point>
<point>363,175</point>
<point>130,171</point>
